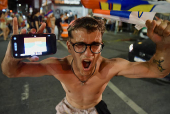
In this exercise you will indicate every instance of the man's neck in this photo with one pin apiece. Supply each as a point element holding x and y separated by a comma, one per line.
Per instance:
<point>79,75</point>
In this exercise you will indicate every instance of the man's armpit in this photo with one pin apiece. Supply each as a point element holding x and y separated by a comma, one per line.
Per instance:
<point>65,64</point>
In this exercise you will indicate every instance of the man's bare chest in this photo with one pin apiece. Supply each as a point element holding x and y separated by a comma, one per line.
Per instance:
<point>95,84</point>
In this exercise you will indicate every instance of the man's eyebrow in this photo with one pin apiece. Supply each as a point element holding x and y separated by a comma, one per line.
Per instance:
<point>90,43</point>
<point>96,42</point>
<point>81,42</point>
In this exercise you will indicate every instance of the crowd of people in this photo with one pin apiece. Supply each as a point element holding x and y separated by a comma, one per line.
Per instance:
<point>6,23</point>
<point>53,24</point>
<point>34,20</point>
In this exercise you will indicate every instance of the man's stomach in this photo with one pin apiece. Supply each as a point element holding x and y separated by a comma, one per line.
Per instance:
<point>84,102</point>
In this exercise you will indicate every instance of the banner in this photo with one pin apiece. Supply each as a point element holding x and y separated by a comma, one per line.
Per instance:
<point>129,11</point>
<point>128,5</point>
<point>3,4</point>
<point>126,16</point>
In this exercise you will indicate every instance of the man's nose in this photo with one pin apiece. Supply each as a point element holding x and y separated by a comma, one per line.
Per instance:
<point>88,52</point>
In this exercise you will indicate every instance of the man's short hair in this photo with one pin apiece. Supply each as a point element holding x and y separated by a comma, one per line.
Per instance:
<point>89,23</point>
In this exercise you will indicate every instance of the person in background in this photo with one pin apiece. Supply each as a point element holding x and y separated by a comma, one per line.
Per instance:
<point>108,24</point>
<point>112,25</point>
<point>35,17</point>
<point>32,21</point>
<point>48,24</point>
<point>7,28</point>
<point>120,27</point>
<point>71,18</point>
<point>58,23</point>
<point>20,21</point>
<point>52,19</point>
<point>65,18</point>
<point>48,29</point>
<point>29,20</point>
<point>17,15</point>
<point>10,21</point>
<point>3,25</point>
<point>41,17</point>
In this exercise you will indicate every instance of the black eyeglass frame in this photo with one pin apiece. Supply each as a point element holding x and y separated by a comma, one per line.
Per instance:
<point>73,44</point>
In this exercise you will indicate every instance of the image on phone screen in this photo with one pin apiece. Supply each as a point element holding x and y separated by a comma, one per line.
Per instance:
<point>34,46</point>
<point>27,45</point>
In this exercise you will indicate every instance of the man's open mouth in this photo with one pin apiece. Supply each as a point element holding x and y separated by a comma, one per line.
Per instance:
<point>86,63</point>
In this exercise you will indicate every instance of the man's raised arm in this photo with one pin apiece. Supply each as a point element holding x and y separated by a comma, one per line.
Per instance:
<point>159,33</point>
<point>159,65</point>
<point>12,67</point>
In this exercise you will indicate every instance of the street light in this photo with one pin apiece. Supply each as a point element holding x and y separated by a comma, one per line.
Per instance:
<point>19,4</point>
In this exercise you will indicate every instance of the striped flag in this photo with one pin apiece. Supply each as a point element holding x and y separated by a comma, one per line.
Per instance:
<point>130,11</point>
<point>126,16</point>
<point>128,5</point>
<point>49,13</point>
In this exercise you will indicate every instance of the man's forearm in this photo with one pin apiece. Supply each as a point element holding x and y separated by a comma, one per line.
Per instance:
<point>160,61</point>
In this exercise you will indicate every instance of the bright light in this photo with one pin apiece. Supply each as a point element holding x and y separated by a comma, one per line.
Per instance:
<point>19,4</point>
<point>131,48</point>
<point>4,10</point>
<point>72,2</point>
<point>24,17</point>
<point>139,42</point>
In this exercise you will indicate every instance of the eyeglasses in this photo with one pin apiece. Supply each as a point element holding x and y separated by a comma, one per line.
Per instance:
<point>81,47</point>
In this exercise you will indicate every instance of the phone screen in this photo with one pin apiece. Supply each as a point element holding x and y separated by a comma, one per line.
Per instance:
<point>30,45</point>
<point>34,46</point>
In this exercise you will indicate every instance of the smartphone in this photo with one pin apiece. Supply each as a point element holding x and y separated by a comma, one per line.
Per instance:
<point>28,45</point>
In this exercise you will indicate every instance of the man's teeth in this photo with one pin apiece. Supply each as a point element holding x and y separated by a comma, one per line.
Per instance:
<point>86,63</point>
<point>86,60</point>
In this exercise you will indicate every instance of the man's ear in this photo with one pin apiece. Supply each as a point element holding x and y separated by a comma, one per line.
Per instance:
<point>68,46</point>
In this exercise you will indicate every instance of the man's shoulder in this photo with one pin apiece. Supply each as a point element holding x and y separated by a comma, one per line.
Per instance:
<point>66,61</point>
<point>106,60</point>
<point>64,64</point>
<point>112,61</point>
<point>112,66</point>
<point>63,61</point>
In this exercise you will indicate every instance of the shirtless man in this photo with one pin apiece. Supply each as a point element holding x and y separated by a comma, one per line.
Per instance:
<point>85,74</point>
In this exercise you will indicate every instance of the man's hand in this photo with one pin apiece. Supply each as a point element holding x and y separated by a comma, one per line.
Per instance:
<point>10,65</point>
<point>159,65</point>
<point>23,31</point>
<point>159,31</point>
